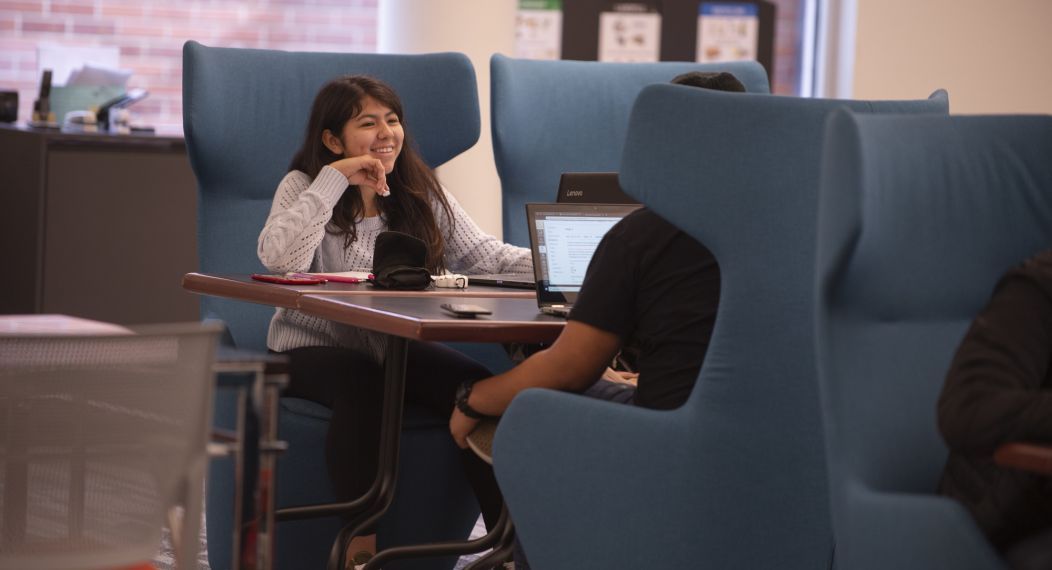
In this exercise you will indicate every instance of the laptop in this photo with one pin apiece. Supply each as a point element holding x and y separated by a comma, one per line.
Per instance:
<point>591,188</point>
<point>563,238</point>
<point>574,188</point>
<point>513,280</point>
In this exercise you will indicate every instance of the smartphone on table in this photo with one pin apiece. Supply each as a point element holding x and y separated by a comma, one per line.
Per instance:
<point>465,310</point>
<point>288,279</point>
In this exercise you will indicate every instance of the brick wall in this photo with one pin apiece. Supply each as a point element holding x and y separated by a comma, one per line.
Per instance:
<point>788,28</point>
<point>150,35</point>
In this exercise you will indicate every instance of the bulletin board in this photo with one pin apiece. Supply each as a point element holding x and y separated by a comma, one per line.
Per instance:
<point>733,29</point>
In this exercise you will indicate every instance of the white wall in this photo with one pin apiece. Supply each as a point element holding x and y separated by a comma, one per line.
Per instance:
<point>993,56</point>
<point>477,28</point>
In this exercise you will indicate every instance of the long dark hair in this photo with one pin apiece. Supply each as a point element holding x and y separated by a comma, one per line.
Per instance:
<point>414,188</point>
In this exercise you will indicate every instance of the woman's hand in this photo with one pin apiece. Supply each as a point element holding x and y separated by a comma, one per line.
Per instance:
<point>364,171</point>
<point>461,426</point>
<point>612,375</point>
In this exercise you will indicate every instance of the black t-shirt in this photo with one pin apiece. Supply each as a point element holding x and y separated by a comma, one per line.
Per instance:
<point>657,289</point>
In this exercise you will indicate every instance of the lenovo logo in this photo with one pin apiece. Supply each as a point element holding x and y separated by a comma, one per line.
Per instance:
<point>574,193</point>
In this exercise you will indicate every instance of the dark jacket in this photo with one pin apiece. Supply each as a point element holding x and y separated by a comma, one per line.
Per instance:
<point>999,390</point>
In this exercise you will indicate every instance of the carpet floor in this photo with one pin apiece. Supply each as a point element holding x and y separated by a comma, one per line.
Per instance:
<point>165,559</point>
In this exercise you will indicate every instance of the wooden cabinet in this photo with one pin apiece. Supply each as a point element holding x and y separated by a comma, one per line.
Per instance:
<point>97,226</point>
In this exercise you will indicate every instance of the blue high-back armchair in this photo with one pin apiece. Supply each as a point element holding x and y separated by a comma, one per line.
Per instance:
<point>551,117</point>
<point>735,478</point>
<point>920,217</point>
<point>245,112</point>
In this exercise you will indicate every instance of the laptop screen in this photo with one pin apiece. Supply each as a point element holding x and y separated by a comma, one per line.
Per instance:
<point>563,238</point>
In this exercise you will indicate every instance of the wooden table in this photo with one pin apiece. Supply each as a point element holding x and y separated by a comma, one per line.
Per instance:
<point>403,316</point>
<point>244,288</point>
<point>1026,456</point>
<point>420,317</point>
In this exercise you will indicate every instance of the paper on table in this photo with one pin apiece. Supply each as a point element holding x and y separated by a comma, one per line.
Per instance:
<point>91,75</point>
<point>62,60</point>
<point>87,88</point>
<point>80,97</point>
<point>363,275</point>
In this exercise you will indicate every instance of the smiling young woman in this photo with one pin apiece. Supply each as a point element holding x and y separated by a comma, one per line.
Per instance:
<point>356,175</point>
<point>356,128</point>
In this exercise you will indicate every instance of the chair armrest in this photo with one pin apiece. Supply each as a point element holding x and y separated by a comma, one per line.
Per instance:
<point>940,533</point>
<point>619,469</point>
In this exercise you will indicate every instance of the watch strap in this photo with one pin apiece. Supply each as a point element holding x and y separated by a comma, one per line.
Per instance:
<point>463,393</point>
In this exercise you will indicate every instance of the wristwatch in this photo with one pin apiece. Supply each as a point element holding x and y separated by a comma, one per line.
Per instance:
<point>461,401</point>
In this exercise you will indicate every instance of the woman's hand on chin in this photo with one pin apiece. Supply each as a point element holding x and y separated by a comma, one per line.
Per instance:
<point>364,171</point>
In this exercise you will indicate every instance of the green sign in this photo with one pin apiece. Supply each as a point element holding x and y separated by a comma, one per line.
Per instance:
<point>540,4</point>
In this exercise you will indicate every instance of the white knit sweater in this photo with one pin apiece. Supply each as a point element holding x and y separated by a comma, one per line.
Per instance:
<point>294,239</point>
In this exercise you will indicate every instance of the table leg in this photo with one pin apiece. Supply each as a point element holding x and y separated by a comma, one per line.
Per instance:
<point>390,432</point>
<point>501,538</point>
<point>382,490</point>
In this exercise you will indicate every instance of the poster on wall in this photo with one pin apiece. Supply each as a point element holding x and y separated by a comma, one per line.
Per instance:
<point>629,32</point>
<point>727,31</point>
<point>539,29</point>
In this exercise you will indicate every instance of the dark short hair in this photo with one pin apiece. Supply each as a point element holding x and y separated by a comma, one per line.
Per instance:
<point>719,81</point>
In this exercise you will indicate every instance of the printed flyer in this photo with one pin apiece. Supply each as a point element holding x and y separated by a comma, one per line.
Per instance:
<point>727,31</point>
<point>539,29</point>
<point>630,32</point>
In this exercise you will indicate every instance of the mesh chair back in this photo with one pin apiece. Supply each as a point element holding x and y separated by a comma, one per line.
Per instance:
<point>101,435</point>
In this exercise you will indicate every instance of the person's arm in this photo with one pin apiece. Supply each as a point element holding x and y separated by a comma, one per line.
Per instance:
<point>296,224</point>
<point>470,250</point>
<point>302,207</point>
<point>602,317</point>
<point>573,362</point>
<point>994,392</point>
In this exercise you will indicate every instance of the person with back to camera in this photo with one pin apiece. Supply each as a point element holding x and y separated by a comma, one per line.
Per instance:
<point>355,175</point>
<point>650,293</point>
<point>999,390</point>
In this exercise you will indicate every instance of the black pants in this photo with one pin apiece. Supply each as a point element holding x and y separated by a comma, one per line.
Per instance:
<point>351,385</point>
<point>1031,553</point>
